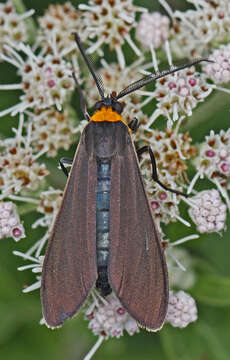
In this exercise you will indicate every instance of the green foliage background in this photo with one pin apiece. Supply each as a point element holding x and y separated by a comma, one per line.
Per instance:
<point>21,336</point>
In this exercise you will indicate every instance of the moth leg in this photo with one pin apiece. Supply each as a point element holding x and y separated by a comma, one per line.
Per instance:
<point>82,98</point>
<point>62,163</point>
<point>134,124</point>
<point>154,169</point>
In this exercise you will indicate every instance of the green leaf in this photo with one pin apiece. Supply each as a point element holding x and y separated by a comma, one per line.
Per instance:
<point>212,341</point>
<point>212,289</point>
<point>200,340</point>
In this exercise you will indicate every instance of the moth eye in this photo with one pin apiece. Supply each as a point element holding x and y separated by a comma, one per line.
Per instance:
<point>118,107</point>
<point>98,105</point>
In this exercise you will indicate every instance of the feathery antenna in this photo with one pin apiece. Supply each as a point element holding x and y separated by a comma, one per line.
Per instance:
<point>150,78</point>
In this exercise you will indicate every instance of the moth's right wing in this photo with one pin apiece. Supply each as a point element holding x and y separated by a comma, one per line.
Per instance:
<point>137,267</point>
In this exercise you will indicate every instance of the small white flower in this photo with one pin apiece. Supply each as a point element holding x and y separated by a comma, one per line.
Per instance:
<point>10,225</point>
<point>219,70</point>
<point>182,309</point>
<point>110,22</point>
<point>208,212</point>
<point>49,204</point>
<point>152,29</point>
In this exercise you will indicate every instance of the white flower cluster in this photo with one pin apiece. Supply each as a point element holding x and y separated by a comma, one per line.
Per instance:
<point>152,29</point>
<point>196,30</point>
<point>110,22</point>
<point>19,169</point>
<point>110,319</point>
<point>182,309</point>
<point>179,93</point>
<point>219,70</point>
<point>46,80</point>
<point>12,26</point>
<point>171,150</point>
<point>57,26</point>
<point>214,157</point>
<point>10,225</point>
<point>51,129</point>
<point>208,212</point>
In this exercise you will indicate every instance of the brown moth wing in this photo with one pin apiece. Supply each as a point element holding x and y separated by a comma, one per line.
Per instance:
<point>137,268</point>
<point>69,270</point>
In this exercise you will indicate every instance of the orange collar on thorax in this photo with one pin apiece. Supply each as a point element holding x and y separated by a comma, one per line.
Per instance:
<point>106,114</point>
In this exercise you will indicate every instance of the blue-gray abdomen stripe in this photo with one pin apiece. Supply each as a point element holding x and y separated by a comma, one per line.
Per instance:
<point>102,223</point>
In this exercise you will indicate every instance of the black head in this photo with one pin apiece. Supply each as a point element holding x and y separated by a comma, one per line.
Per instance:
<point>109,101</point>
